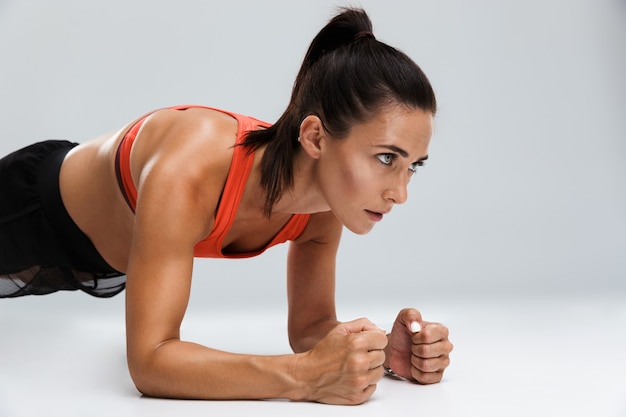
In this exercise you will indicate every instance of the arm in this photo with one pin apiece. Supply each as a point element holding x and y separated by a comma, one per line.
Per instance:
<point>421,355</point>
<point>311,282</point>
<point>343,361</point>
<point>168,223</point>
<point>342,369</point>
<point>171,216</point>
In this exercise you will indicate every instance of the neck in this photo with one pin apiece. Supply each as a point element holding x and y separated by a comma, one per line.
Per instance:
<point>304,196</point>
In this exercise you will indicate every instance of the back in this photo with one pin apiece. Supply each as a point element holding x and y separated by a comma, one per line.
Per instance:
<point>89,185</point>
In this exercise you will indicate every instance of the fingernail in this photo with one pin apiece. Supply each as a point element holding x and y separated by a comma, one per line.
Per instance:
<point>415,327</point>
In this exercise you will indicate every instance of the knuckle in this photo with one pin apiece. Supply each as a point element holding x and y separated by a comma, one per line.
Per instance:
<point>421,351</point>
<point>429,365</point>
<point>432,332</point>
<point>427,377</point>
<point>435,331</point>
<point>446,332</point>
<point>449,346</point>
<point>417,363</point>
<point>380,373</point>
<point>446,361</point>
<point>357,343</point>
<point>380,357</point>
<point>441,329</point>
<point>361,382</point>
<point>421,364</point>
<point>356,363</point>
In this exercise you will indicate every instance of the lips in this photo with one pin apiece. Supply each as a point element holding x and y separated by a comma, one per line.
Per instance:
<point>374,216</point>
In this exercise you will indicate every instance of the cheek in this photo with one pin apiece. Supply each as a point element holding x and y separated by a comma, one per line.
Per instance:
<point>348,176</point>
<point>355,178</point>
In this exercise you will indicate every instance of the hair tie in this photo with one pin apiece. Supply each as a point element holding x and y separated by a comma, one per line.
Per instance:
<point>364,34</point>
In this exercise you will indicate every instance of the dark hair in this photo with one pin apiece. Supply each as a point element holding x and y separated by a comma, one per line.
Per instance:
<point>346,77</point>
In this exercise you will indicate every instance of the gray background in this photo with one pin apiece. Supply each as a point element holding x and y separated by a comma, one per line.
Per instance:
<point>525,190</point>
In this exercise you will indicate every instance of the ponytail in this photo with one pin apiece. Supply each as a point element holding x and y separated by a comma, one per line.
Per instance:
<point>342,30</point>
<point>346,76</point>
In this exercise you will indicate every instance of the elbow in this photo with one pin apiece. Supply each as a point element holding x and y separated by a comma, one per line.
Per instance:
<point>143,373</point>
<point>152,371</point>
<point>296,341</point>
<point>300,343</point>
<point>140,378</point>
<point>297,347</point>
<point>303,338</point>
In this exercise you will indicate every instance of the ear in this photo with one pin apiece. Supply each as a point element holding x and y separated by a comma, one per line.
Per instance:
<point>311,134</point>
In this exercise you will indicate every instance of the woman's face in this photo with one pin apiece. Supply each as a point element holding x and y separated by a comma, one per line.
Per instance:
<point>363,175</point>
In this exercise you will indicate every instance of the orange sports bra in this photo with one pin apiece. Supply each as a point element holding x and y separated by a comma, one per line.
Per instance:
<point>211,246</point>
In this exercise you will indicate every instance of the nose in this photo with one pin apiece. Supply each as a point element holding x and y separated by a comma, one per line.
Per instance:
<point>397,192</point>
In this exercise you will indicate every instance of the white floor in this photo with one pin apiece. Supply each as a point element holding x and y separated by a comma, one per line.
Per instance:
<point>513,357</point>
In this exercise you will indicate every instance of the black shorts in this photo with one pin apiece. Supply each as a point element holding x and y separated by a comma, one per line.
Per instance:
<point>42,250</point>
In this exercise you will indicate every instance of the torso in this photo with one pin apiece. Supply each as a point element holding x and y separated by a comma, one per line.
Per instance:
<point>91,193</point>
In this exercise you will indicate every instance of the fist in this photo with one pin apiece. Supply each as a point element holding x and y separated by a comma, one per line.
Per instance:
<point>418,350</point>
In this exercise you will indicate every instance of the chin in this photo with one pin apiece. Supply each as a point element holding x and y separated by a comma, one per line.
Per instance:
<point>360,230</point>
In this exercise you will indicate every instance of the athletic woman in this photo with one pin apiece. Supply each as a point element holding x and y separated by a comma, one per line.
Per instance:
<point>131,209</point>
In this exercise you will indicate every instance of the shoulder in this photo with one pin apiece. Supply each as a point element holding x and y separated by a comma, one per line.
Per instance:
<point>180,162</point>
<point>186,153</point>
<point>193,124</point>
<point>192,142</point>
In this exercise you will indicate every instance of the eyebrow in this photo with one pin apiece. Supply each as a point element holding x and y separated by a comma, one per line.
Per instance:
<point>402,152</point>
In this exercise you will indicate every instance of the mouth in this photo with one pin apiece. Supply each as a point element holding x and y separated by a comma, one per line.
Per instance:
<point>374,215</point>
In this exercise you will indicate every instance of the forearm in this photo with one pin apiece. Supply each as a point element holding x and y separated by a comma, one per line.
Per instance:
<point>189,371</point>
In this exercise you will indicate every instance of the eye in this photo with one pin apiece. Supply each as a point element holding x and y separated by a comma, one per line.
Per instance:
<point>386,158</point>
<point>415,165</point>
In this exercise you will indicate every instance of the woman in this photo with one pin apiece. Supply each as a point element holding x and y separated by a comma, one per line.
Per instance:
<point>130,210</point>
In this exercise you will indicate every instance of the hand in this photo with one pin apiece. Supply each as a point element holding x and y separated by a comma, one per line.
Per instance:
<point>418,350</point>
<point>345,366</point>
